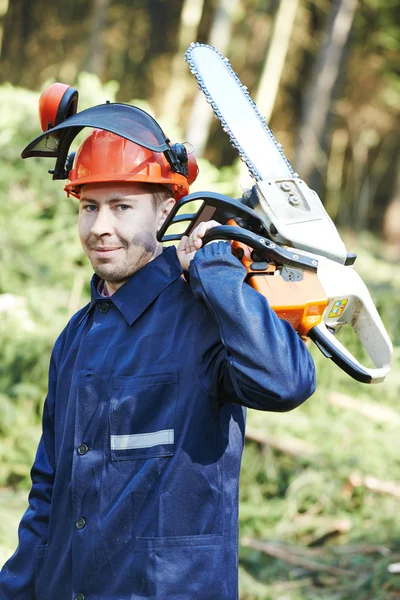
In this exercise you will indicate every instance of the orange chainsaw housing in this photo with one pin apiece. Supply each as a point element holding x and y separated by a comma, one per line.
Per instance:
<point>302,303</point>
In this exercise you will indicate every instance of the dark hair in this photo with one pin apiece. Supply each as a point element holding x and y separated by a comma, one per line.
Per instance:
<point>160,193</point>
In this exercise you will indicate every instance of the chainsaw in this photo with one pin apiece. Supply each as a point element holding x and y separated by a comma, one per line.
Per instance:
<point>281,232</point>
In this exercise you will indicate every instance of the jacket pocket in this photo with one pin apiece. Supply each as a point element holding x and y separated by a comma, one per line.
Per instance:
<point>40,580</point>
<point>169,568</point>
<point>142,416</point>
<point>181,567</point>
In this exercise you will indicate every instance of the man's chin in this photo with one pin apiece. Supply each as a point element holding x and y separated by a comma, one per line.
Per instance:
<point>119,273</point>
<point>112,276</point>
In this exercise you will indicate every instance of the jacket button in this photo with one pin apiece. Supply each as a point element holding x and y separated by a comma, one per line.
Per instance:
<point>82,449</point>
<point>80,523</point>
<point>79,597</point>
<point>104,307</point>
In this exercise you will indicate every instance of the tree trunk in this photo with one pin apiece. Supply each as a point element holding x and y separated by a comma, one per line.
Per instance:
<point>275,58</point>
<point>96,58</point>
<point>201,115</point>
<point>318,99</point>
<point>40,38</point>
<point>180,78</point>
<point>272,70</point>
<point>17,26</point>
<point>391,221</point>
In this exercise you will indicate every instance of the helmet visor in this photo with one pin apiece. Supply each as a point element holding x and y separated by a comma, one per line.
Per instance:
<point>124,120</point>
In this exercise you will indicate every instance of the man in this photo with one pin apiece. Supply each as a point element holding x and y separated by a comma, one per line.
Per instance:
<point>135,483</point>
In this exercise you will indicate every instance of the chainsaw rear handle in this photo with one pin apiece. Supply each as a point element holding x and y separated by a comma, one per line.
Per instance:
<point>350,303</point>
<point>333,349</point>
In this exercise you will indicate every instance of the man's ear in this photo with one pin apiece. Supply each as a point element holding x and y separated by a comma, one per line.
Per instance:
<point>164,209</point>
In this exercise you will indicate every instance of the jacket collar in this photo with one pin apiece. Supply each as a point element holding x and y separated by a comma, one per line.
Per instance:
<point>142,288</point>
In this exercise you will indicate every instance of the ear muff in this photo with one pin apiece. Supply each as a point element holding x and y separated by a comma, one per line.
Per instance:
<point>57,103</point>
<point>193,168</point>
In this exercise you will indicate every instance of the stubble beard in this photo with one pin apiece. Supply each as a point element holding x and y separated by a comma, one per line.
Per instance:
<point>120,273</point>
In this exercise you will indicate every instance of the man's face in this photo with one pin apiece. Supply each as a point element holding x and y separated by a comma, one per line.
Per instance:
<point>117,228</point>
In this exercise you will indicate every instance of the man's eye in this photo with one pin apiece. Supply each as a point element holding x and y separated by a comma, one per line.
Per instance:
<point>90,207</point>
<point>123,206</point>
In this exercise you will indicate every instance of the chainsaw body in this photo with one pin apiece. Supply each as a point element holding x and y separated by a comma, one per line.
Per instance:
<point>317,294</point>
<point>295,295</point>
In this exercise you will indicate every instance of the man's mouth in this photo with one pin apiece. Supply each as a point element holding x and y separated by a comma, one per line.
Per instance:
<point>105,249</point>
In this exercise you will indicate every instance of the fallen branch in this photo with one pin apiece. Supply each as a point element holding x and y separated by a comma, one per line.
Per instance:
<point>375,485</point>
<point>338,527</point>
<point>394,568</point>
<point>371,410</point>
<point>286,554</point>
<point>292,446</point>
<point>361,549</point>
<point>284,586</point>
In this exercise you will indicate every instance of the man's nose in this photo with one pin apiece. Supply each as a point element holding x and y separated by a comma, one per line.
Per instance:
<point>103,223</point>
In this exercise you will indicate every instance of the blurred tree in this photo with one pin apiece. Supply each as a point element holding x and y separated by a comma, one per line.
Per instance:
<point>200,118</point>
<point>391,223</point>
<point>96,58</point>
<point>274,62</point>
<point>275,57</point>
<point>311,146</point>
<point>179,80</point>
<point>42,40</point>
<point>367,115</point>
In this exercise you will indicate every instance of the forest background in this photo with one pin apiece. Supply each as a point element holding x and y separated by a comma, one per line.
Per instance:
<point>320,487</point>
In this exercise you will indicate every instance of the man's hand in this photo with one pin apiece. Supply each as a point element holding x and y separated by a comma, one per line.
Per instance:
<point>188,246</point>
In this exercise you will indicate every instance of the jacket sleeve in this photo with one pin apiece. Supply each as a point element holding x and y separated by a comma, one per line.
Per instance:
<point>17,578</point>
<point>263,363</point>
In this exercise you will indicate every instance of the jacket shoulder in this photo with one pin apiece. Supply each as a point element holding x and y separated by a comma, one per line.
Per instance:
<point>78,316</point>
<point>70,329</point>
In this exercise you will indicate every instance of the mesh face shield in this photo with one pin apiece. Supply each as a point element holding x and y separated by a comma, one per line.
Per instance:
<point>124,120</point>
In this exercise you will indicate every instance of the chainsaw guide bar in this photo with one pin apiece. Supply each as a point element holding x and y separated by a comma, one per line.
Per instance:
<point>244,132</point>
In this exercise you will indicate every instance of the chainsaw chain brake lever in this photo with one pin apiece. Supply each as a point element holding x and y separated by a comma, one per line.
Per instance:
<point>265,248</point>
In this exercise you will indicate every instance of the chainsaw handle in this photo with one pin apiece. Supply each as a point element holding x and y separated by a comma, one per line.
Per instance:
<point>350,304</point>
<point>333,349</point>
<point>265,248</point>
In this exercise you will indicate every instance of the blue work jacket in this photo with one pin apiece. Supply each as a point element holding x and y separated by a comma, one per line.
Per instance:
<point>135,482</point>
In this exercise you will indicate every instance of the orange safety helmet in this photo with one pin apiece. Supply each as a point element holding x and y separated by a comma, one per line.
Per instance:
<point>106,157</point>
